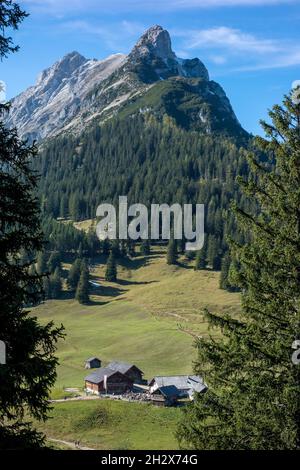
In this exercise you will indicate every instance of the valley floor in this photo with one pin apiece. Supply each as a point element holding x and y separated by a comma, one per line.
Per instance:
<point>150,317</point>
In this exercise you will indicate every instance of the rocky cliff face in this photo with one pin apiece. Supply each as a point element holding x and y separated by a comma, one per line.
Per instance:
<point>43,109</point>
<point>74,91</point>
<point>154,50</point>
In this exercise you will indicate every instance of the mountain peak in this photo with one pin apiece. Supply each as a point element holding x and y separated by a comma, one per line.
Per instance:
<point>154,50</point>
<point>156,40</point>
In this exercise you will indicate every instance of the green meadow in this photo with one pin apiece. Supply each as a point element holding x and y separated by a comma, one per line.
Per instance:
<point>150,317</point>
<point>106,424</point>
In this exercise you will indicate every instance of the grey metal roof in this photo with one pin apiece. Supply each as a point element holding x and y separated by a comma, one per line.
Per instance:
<point>169,391</point>
<point>98,376</point>
<point>181,382</point>
<point>122,367</point>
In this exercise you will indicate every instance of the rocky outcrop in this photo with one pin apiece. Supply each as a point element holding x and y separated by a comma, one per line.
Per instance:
<point>73,92</point>
<point>43,109</point>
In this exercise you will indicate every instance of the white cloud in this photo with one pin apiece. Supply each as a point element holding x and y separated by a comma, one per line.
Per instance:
<point>218,59</point>
<point>228,38</point>
<point>232,45</point>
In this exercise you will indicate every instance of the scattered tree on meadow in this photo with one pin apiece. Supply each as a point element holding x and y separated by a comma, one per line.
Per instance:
<point>54,262</point>
<point>55,284</point>
<point>111,268</point>
<point>82,291</point>
<point>201,258</point>
<point>41,266</point>
<point>224,277</point>
<point>74,274</point>
<point>172,255</point>
<point>145,248</point>
<point>213,253</point>
<point>253,397</point>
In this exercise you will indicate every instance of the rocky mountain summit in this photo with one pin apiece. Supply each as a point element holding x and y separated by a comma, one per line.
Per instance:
<point>75,91</point>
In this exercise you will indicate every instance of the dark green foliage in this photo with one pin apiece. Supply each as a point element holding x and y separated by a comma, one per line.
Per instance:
<point>82,291</point>
<point>172,255</point>
<point>54,261</point>
<point>74,274</point>
<point>201,257</point>
<point>213,253</point>
<point>146,248</point>
<point>30,372</point>
<point>157,162</point>
<point>131,248</point>
<point>30,369</point>
<point>42,260</point>
<point>111,268</point>
<point>62,237</point>
<point>180,101</point>
<point>92,243</point>
<point>253,399</point>
<point>115,248</point>
<point>10,17</point>
<point>225,267</point>
<point>55,284</point>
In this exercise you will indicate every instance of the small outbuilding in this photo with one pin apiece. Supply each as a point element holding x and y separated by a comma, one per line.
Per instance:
<point>165,396</point>
<point>93,363</point>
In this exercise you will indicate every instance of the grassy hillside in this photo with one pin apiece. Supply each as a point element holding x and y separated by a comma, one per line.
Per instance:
<point>109,425</point>
<point>148,317</point>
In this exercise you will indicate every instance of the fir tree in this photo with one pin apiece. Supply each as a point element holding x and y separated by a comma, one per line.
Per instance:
<point>172,255</point>
<point>82,291</point>
<point>145,248</point>
<point>54,262</point>
<point>42,267</point>
<point>213,256</point>
<point>56,284</point>
<point>74,274</point>
<point>10,17</point>
<point>225,267</point>
<point>201,257</point>
<point>30,370</point>
<point>111,268</point>
<point>253,399</point>
<point>47,288</point>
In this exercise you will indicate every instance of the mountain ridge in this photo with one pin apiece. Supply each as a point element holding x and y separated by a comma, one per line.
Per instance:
<point>75,91</point>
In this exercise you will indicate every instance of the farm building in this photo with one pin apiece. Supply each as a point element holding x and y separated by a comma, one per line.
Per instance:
<point>130,370</point>
<point>92,363</point>
<point>167,395</point>
<point>106,380</point>
<point>177,387</point>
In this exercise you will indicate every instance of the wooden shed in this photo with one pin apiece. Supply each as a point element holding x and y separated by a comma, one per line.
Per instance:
<point>92,363</point>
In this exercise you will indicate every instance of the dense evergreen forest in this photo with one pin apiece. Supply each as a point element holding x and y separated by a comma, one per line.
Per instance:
<point>150,160</point>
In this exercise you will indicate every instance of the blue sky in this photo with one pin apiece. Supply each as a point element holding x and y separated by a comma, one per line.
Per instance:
<point>251,47</point>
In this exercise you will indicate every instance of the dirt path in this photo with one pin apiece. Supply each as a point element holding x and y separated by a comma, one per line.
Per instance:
<point>63,400</point>
<point>69,444</point>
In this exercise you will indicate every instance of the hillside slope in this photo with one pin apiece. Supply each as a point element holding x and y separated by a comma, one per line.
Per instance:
<point>149,317</point>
